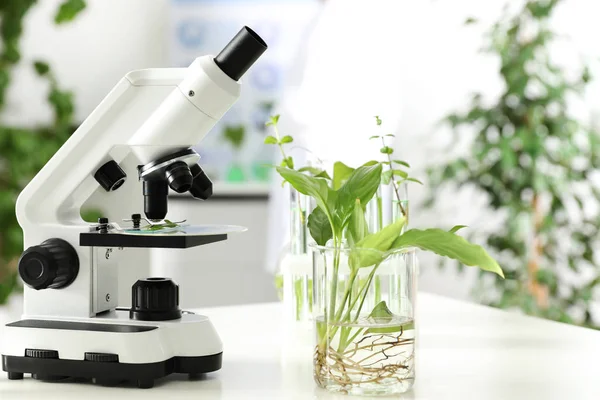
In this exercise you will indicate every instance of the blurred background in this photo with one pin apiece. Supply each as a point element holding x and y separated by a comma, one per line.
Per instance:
<point>495,107</point>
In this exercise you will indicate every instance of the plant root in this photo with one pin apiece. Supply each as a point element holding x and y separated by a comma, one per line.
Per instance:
<point>384,359</point>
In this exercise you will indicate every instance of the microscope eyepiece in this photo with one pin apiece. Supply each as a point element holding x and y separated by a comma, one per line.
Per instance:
<point>179,177</point>
<point>155,199</point>
<point>241,53</point>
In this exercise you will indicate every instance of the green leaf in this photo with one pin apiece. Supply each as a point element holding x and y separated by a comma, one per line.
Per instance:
<point>374,137</point>
<point>316,188</point>
<point>270,140</point>
<point>357,228</point>
<point>41,68</point>
<point>323,174</point>
<point>386,150</point>
<point>414,180</point>
<point>390,135</point>
<point>341,172</point>
<point>371,250</point>
<point>361,184</point>
<point>273,120</point>
<point>287,139</point>
<point>235,135</point>
<point>381,314</point>
<point>400,173</point>
<point>448,245</point>
<point>386,177</point>
<point>385,238</point>
<point>378,120</point>
<point>319,226</point>
<point>68,10</point>
<point>457,228</point>
<point>289,162</point>
<point>407,165</point>
<point>470,21</point>
<point>319,173</point>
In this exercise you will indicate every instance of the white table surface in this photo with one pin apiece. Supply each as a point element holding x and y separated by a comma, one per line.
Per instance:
<point>464,351</point>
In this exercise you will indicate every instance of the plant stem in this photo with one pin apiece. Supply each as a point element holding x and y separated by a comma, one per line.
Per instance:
<point>364,295</point>
<point>334,282</point>
<point>395,186</point>
<point>539,292</point>
<point>279,144</point>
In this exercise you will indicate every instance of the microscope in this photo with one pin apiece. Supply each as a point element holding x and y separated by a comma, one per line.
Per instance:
<point>72,326</point>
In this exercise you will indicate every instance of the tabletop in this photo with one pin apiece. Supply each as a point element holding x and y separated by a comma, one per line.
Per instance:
<point>464,351</point>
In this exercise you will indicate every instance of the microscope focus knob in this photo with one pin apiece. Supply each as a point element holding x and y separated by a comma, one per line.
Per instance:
<point>53,264</point>
<point>155,299</point>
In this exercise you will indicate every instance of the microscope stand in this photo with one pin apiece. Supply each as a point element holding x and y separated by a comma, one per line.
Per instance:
<point>143,350</point>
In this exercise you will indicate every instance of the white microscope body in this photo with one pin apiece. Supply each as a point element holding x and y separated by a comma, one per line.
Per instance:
<point>71,325</point>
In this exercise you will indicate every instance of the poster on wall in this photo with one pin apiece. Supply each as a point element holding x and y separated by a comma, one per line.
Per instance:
<point>234,150</point>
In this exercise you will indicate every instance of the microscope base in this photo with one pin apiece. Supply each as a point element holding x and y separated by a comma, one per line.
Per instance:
<point>111,349</point>
<point>108,373</point>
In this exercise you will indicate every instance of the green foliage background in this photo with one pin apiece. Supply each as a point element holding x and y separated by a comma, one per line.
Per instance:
<point>534,162</point>
<point>24,151</point>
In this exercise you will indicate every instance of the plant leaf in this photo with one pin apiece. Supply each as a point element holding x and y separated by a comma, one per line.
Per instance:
<point>289,162</point>
<point>381,311</point>
<point>361,184</point>
<point>316,188</point>
<point>287,139</point>
<point>414,180</point>
<point>449,245</point>
<point>357,228</point>
<point>270,140</point>
<point>386,177</point>
<point>381,314</point>
<point>457,228</point>
<point>372,248</point>
<point>378,120</point>
<point>41,68</point>
<point>320,173</point>
<point>386,150</point>
<point>341,172</point>
<point>235,135</point>
<point>319,226</point>
<point>407,165</point>
<point>273,120</point>
<point>68,10</point>
<point>400,173</point>
<point>323,174</point>
<point>374,137</point>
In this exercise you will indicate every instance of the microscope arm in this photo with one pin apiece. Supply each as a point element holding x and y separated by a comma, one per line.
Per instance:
<point>147,113</point>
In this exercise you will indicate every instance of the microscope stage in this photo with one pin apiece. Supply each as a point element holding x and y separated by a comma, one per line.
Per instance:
<point>181,237</point>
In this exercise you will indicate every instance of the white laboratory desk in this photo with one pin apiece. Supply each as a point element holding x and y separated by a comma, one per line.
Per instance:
<point>465,351</point>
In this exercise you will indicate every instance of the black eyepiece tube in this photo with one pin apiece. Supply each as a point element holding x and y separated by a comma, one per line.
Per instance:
<point>155,199</point>
<point>241,53</point>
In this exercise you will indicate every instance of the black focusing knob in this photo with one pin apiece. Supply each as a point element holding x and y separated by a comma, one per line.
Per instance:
<point>110,176</point>
<point>202,187</point>
<point>38,353</point>
<point>155,299</point>
<point>179,177</point>
<point>53,264</point>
